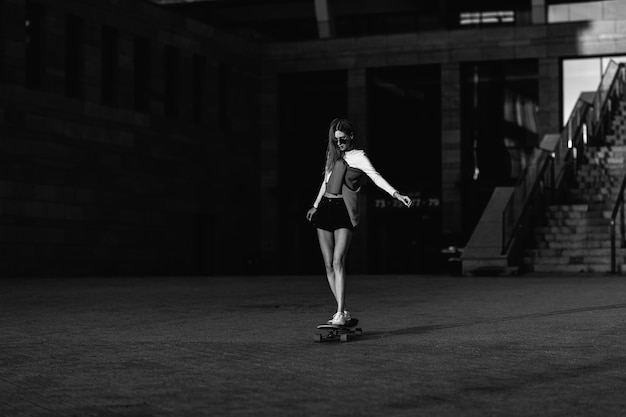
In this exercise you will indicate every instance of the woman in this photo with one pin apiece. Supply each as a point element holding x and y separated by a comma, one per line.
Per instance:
<point>335,212</point>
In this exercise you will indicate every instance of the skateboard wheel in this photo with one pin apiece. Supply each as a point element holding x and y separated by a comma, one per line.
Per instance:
<point>317,337</point>
<point>343,338</point>
<point>358,332</point>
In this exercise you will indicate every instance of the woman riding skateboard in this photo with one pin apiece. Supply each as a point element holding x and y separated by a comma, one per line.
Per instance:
<point>335,212</point>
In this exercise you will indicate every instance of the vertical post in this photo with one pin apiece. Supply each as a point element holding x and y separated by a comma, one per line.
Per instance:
<point>553,179</point>
<point>325,25</point>
<point>268,180</point>
<point>548,116</point>
<point>621,219</point>
<point>538,12</point>
<point>358,261</point>
<point>451,151</point>
<point>613,268</point>
<point>503,230</point>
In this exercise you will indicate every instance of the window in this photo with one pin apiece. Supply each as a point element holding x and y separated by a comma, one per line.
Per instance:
<point>1,43</point>
<point>487,17</point>
<point>33,37</point>
<point>171,81</point>
<point>199,69</point>
<point>109,69</point>
<point>223,101</point>
<point>580,75</point>
<point>74,57</point>
<point>477,13</point>
<point>142,73</point>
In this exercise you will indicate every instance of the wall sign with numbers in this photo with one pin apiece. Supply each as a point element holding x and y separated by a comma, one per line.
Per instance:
<point>420,202</point>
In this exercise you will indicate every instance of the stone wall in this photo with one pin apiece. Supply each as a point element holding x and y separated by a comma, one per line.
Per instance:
<point>117,171</point>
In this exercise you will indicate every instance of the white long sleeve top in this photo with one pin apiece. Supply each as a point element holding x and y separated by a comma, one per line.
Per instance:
<point>357,159</point>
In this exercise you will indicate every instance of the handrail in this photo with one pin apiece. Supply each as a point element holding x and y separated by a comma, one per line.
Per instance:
<point>602,99</point>
<point>519,203</point>
<point>618,207</point>
<point>511,203</point>
<point>618,87</point>
<point>571,139</point>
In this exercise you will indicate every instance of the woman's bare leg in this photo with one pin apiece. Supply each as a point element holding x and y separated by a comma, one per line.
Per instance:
<point>342,238</point>
<point>327,245</point>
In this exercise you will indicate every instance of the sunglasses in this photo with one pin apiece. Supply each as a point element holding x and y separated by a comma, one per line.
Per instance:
<point>342,140</point>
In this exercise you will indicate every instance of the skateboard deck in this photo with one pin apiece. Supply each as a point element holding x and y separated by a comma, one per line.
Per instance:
<point>329,332</point>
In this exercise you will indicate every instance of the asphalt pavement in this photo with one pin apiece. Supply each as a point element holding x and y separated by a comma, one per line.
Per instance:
<point>244,346</point>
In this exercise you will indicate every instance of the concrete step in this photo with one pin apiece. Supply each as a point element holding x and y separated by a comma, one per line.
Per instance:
<point>610,185</point>
<point>596,160</point>
<point>570,268</point>
<point>605,195</point>
<point>580,208</point>
<point>609,191</point>
<point>577,222</point>
<point>594,165</point>
<point>594,192</point>
<point>593,198</point>
<point>605,150</point>
<point>574,237</point>
<point>606,214</point>
<point>570,253</point>
<point>604,154</point>
<point>576,229</point>
<point>605,162</point>
<point>615,140</point>
<point>600,177</point>
<point>600,198</point>
<point>600,172</point>
<point>571,244</point>
<point>562,261</point>
<point>601,181</point>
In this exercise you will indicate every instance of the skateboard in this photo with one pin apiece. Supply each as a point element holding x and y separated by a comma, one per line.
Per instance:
<point>328,332</point>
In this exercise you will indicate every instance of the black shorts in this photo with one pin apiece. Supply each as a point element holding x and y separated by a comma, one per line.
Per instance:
<point>331,215</point>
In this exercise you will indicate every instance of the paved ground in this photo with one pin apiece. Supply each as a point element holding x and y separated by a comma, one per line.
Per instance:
<point>433,346</point>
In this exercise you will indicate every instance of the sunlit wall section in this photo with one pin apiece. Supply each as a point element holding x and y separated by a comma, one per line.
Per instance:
<point>581,75</point>
<point>576,11</point>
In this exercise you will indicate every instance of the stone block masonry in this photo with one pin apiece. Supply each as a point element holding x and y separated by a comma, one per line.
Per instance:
<point>91,183</point>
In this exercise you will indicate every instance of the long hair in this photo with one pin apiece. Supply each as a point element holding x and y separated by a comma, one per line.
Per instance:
<point>332,151</point>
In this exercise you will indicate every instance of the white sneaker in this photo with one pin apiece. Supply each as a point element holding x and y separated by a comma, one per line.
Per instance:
<point>347,316</point>
<point>338,319</point>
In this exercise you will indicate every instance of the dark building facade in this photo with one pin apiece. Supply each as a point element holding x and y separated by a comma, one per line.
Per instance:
<point>128,142</point>
<point>137,140</point>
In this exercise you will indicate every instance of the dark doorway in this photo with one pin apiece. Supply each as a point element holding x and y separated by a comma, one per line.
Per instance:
<point>202,244</point>
<point>499,129</point>
<point>404,131</point>
<point>307,104</point>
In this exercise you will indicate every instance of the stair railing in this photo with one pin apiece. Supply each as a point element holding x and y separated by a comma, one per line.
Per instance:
<point>540,183</point>
<point>610,92</point>
<point>543,176</point>
<point>617,208</point>
<point>616,93</point>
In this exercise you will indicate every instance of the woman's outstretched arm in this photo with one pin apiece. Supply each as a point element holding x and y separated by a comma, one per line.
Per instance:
<point>362,162</point>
